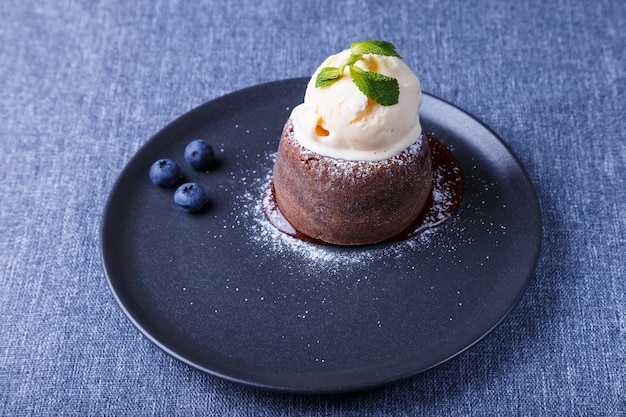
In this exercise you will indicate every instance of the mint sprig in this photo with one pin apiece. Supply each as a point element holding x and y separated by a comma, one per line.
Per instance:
<point>374,47</point>
<point>382,89</point>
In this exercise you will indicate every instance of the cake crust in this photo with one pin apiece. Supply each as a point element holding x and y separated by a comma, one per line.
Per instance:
<point>350,202</point>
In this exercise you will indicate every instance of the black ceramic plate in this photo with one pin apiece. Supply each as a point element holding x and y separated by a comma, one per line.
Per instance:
<point>225,293</point>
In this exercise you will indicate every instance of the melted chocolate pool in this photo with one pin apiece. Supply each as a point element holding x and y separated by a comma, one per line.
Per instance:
<point>443,202</point>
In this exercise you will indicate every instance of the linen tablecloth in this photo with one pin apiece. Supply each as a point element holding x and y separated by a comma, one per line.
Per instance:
<point>84,84</point>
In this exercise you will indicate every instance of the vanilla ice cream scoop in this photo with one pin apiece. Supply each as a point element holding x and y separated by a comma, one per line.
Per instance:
<point>339,121</point>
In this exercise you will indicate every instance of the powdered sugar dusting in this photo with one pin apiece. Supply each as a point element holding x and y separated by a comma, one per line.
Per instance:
<point>271,238</point>
<point>255,204</point>
<point>266,235</point>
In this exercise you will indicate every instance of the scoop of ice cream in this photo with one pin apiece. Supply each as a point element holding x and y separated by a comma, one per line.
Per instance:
<point>339,121</point>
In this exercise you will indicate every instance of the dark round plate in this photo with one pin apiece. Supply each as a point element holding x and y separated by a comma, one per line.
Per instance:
<point>225,293</point>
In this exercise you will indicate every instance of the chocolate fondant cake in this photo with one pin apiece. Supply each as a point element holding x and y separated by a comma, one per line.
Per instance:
<point>350,202</point>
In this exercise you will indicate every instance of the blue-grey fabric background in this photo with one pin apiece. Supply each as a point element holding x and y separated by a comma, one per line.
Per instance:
<point>84,84</point>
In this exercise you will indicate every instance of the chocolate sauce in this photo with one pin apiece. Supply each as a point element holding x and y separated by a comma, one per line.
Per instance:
<point>443,202</point>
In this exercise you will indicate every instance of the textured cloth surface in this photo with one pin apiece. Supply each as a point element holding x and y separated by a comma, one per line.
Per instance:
<point>85,84</point>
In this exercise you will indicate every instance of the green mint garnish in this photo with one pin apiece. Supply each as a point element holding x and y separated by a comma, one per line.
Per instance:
<point>374,47</point>
<point>327,76</point>
<point>382,89</point>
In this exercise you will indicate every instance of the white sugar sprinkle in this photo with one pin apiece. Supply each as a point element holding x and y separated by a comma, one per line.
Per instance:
<point>249,207</point>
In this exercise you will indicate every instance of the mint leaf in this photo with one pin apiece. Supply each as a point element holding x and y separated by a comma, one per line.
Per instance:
<point>327,76</point>
<point>374,47</point>
<point>382,89</point>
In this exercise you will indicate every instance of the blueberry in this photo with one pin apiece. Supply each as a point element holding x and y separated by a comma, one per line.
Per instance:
<point>190,197</point>
<point>165,173</point>
<point>199,154</point>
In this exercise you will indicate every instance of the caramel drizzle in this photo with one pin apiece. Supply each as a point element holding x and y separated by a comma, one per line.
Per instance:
<point>319,130</point>
<point>369,107</point>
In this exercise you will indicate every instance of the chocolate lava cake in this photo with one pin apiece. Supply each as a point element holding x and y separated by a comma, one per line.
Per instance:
<point>350,202</point>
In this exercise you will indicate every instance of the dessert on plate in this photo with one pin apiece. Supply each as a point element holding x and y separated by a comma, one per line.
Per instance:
<point>353,166</point>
